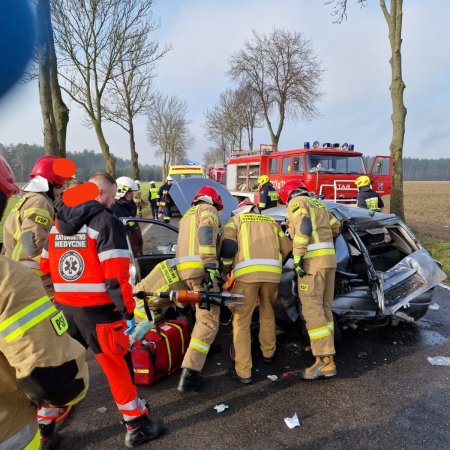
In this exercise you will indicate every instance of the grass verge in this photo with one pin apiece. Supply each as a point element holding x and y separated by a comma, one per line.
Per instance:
<point>438,248</point>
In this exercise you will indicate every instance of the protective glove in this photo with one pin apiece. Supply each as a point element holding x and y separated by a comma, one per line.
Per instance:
<point>210,275</point>
<point>140,331</point>
<point>298,266</point>
<point>131,324</point>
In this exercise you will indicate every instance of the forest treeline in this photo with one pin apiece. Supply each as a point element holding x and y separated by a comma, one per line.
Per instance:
<point>22,157</point>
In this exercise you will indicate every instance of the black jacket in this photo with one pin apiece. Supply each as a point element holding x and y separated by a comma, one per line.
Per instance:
<point>369,199</point>
<point>268,197</point>
<point>124,208</point>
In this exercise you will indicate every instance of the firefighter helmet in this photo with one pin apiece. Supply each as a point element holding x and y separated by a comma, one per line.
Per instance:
<point>138,183</point>
<point>169,178</point>
<point>44,168</point>
<point>245,207</point>
<point>209,195</point>
<point>152,184</point>
<point>124,185</point>
<point>263,179</point>
<point>285,193</point>
<point>362,181</point>
<point>7,183</point>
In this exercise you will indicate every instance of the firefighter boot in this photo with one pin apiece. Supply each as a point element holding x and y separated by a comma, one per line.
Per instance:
<point>142,429</point>
<point>190,380</point>
<point>323,367</point>
<point>49,436</point>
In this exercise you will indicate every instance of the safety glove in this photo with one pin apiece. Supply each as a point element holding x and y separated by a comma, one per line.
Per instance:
<point>210,275</point>
<point>131,325</point>
<point>298,266</point>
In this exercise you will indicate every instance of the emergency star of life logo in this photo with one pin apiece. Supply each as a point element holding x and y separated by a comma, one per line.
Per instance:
<point>71,266</point>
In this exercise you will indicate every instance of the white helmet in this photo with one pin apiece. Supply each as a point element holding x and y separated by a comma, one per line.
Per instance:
<point>169,178</point>
<point>138,183</point>
<point>124,185</point>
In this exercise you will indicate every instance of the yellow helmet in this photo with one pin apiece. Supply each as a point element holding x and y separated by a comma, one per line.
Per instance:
<point>263,179</point>
<point>362,181</point>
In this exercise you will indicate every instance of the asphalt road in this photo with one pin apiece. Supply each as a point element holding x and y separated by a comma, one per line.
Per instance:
<point>386,395</point>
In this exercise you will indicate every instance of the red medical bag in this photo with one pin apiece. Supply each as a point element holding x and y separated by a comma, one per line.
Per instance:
<point>161,351</point>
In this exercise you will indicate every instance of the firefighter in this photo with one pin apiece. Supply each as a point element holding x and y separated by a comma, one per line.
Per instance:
<point>124,206</point>
<point>197,265</point>
<point>165,201</point>
<point>254,246</point>
<point>312,228</point>
<point>367,197</point>
<point>268,196</point>
<point>153,197</point>
<point>137,197</point>
<point>39,361</point>
<point>28,224</point>
<point>88,258</point>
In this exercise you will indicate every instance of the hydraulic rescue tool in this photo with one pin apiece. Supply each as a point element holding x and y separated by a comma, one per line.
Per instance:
<point>204,299</point>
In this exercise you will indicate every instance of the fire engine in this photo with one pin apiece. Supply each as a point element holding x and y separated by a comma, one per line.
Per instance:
<point>216,173</point>
<point>328,170</point>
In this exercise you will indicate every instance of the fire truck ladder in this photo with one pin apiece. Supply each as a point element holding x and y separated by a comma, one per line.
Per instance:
<point>338,189</point>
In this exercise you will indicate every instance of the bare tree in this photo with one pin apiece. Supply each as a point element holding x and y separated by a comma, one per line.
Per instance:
<point>213,156</point>
<point>55,114</point>
<point>394,19</point>
<point>168,129</point>
<point>129,93</point>
<point>251,109</point>
<point>282,69</point>
<point>92,37</point>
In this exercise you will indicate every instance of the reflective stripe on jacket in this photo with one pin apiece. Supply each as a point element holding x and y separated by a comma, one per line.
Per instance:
<point>197,240</point>
<point>260,246</point>
<point>312,228</point>
<point>91,267</point>
<point>268,197</point>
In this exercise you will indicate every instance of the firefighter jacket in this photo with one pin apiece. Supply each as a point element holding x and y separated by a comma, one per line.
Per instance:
<point>88,259</point>
<point>255,246</point>
<point>39,361</point>
<point>164,196</point>
<point>369,199</point>
<point>162,278</point>
<point>153,194</point>
<point>139,202</point>
<point>26,229</point>
<point>312,228</point>
<point>268,197</point>
<point>197,240</point>
<point>124,208</point>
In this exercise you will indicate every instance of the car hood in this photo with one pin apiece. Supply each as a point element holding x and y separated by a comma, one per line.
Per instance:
<point>183,192</point>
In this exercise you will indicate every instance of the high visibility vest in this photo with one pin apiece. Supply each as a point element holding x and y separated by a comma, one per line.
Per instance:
<point>153,193</point>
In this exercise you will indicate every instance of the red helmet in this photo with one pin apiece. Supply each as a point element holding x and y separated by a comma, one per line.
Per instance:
<point>286,191</point>
<point>44,168</point>
<point>209,195</point>
<point>7,182</point>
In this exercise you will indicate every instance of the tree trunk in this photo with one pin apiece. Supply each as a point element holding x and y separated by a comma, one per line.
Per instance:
<point>45,93</point>
<point>134,155</point>
<point>394,20</point>
<point>110,162</point>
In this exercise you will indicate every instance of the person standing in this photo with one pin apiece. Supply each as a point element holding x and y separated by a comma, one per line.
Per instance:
<point>312,228</point>
<point>367,197</point>
<point>137,198</point>
<point>254,246</point>
<point>35,351</point>
<point>29,222</point>
<point>165,200</point>
<point>153,197</point>
<point>196,263</point>
<point>268,196</point>
<point>124,206</point>
<point>88,258</point>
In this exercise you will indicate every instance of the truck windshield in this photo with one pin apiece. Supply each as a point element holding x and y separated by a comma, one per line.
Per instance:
<point>335,163</point>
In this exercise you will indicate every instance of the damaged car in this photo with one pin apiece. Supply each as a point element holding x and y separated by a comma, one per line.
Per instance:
<point>384,274</point>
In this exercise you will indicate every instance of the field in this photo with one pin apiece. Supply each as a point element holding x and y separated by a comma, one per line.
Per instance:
<point>427,211</point>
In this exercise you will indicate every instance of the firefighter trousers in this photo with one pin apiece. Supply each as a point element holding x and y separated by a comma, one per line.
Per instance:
<point>102,330</point>
<point>204,332</point>
<point>242,317</point>
<point>316,294</point>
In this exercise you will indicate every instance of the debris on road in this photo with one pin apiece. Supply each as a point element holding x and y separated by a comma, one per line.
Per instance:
<point>102,409</point>
<point>221,408</point>
<point>434,307</point>
<point>272,377</point>
<point>292,422</point>
<point>362,354</point>
<point>439,361</point>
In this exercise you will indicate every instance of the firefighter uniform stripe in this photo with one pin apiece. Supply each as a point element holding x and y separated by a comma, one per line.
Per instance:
<point>302,211</point>
<point>262,261</point>
<point>245,242</point>
<point>301,240</point>
<point>319,333</point>
<point>26,318</point>
<point>321,252</point>
<point>141,370</point>
<point>319,245</point>
<point>200,346</point>
<point>257,268</point>
<point>207,249</point>
<point>109,254</point>
<point>330,326</point>
<point>39,211</point>
<point>190,265</point>
<point>80,287</point>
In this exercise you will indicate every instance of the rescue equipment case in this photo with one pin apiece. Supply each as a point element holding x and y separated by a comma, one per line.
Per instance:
<point>161,351</point>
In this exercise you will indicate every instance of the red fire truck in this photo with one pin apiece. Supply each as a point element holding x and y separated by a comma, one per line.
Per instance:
<point>216,173</point>
<point>328,169</point>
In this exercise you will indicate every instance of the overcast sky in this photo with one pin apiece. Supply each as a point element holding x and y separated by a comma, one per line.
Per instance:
<point>356,106</point>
